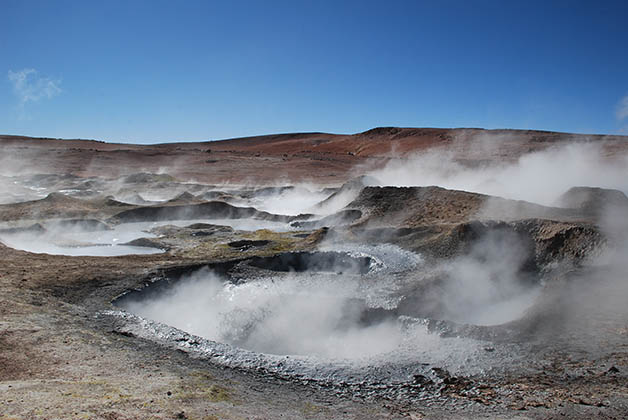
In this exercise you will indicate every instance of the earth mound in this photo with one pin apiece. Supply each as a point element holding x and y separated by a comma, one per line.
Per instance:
<point>594,201</point>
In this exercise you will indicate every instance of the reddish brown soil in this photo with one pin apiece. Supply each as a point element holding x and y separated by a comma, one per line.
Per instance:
<point>324,158</point>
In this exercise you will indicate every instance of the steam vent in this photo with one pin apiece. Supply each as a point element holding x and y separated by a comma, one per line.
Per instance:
<point>397,273</point>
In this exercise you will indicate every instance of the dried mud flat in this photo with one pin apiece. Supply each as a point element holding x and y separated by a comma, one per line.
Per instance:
<point>68,349</point>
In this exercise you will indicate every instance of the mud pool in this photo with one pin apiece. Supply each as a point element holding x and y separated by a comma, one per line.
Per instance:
<point>337,315</point>
<point>75,240</point>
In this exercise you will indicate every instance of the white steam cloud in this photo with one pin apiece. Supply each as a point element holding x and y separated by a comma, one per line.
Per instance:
<point>300,199</point>
<point>622,109</point>
<point>486,286</point>
<point>29,87</point>
<point>539,177</point>
<point>299,315</point>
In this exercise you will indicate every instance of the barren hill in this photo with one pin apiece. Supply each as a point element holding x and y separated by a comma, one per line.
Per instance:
<point>320,157</point>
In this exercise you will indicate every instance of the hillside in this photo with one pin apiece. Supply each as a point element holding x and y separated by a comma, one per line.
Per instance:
<point>315,157</point>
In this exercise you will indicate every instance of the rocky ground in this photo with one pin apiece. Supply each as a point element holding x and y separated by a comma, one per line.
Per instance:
<point>66,352</point>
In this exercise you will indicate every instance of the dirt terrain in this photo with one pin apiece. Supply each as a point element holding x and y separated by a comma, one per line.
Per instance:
<point>324,158</point>
<point>71,347</point>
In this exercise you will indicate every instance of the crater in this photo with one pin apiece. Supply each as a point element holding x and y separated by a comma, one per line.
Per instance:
<point>374,304</point>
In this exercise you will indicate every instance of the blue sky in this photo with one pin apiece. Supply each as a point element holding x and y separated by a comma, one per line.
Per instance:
<point>156,71</point>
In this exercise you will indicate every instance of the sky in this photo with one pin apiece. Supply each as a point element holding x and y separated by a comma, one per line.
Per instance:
<point>162,71</point>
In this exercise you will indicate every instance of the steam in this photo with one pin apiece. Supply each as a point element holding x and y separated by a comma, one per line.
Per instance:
<point>622,109</point>
<point>293,201</point>
<point>29,87</point>
<point>539,177</point>
<point>487,286</point>
<point>297,315</point>
<point>342,316</point>
<point>324,315</point>
<point>281,199</point>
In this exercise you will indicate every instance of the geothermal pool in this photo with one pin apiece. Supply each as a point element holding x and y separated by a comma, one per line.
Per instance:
<point>34,243</point>
<point>74,241</point>
<point>318,312</point>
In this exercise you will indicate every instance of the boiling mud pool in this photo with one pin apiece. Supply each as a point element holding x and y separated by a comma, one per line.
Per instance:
<point>309,317</point>
<point>329,310</point>
<point>77,242</point>
<point>332,323</point>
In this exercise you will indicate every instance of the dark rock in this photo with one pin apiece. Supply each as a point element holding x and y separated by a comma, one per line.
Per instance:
<point>612,370</point>
<point>212,209</point>
<point>247,244</point>
<point>145,242</point>
<point>593,200</point>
